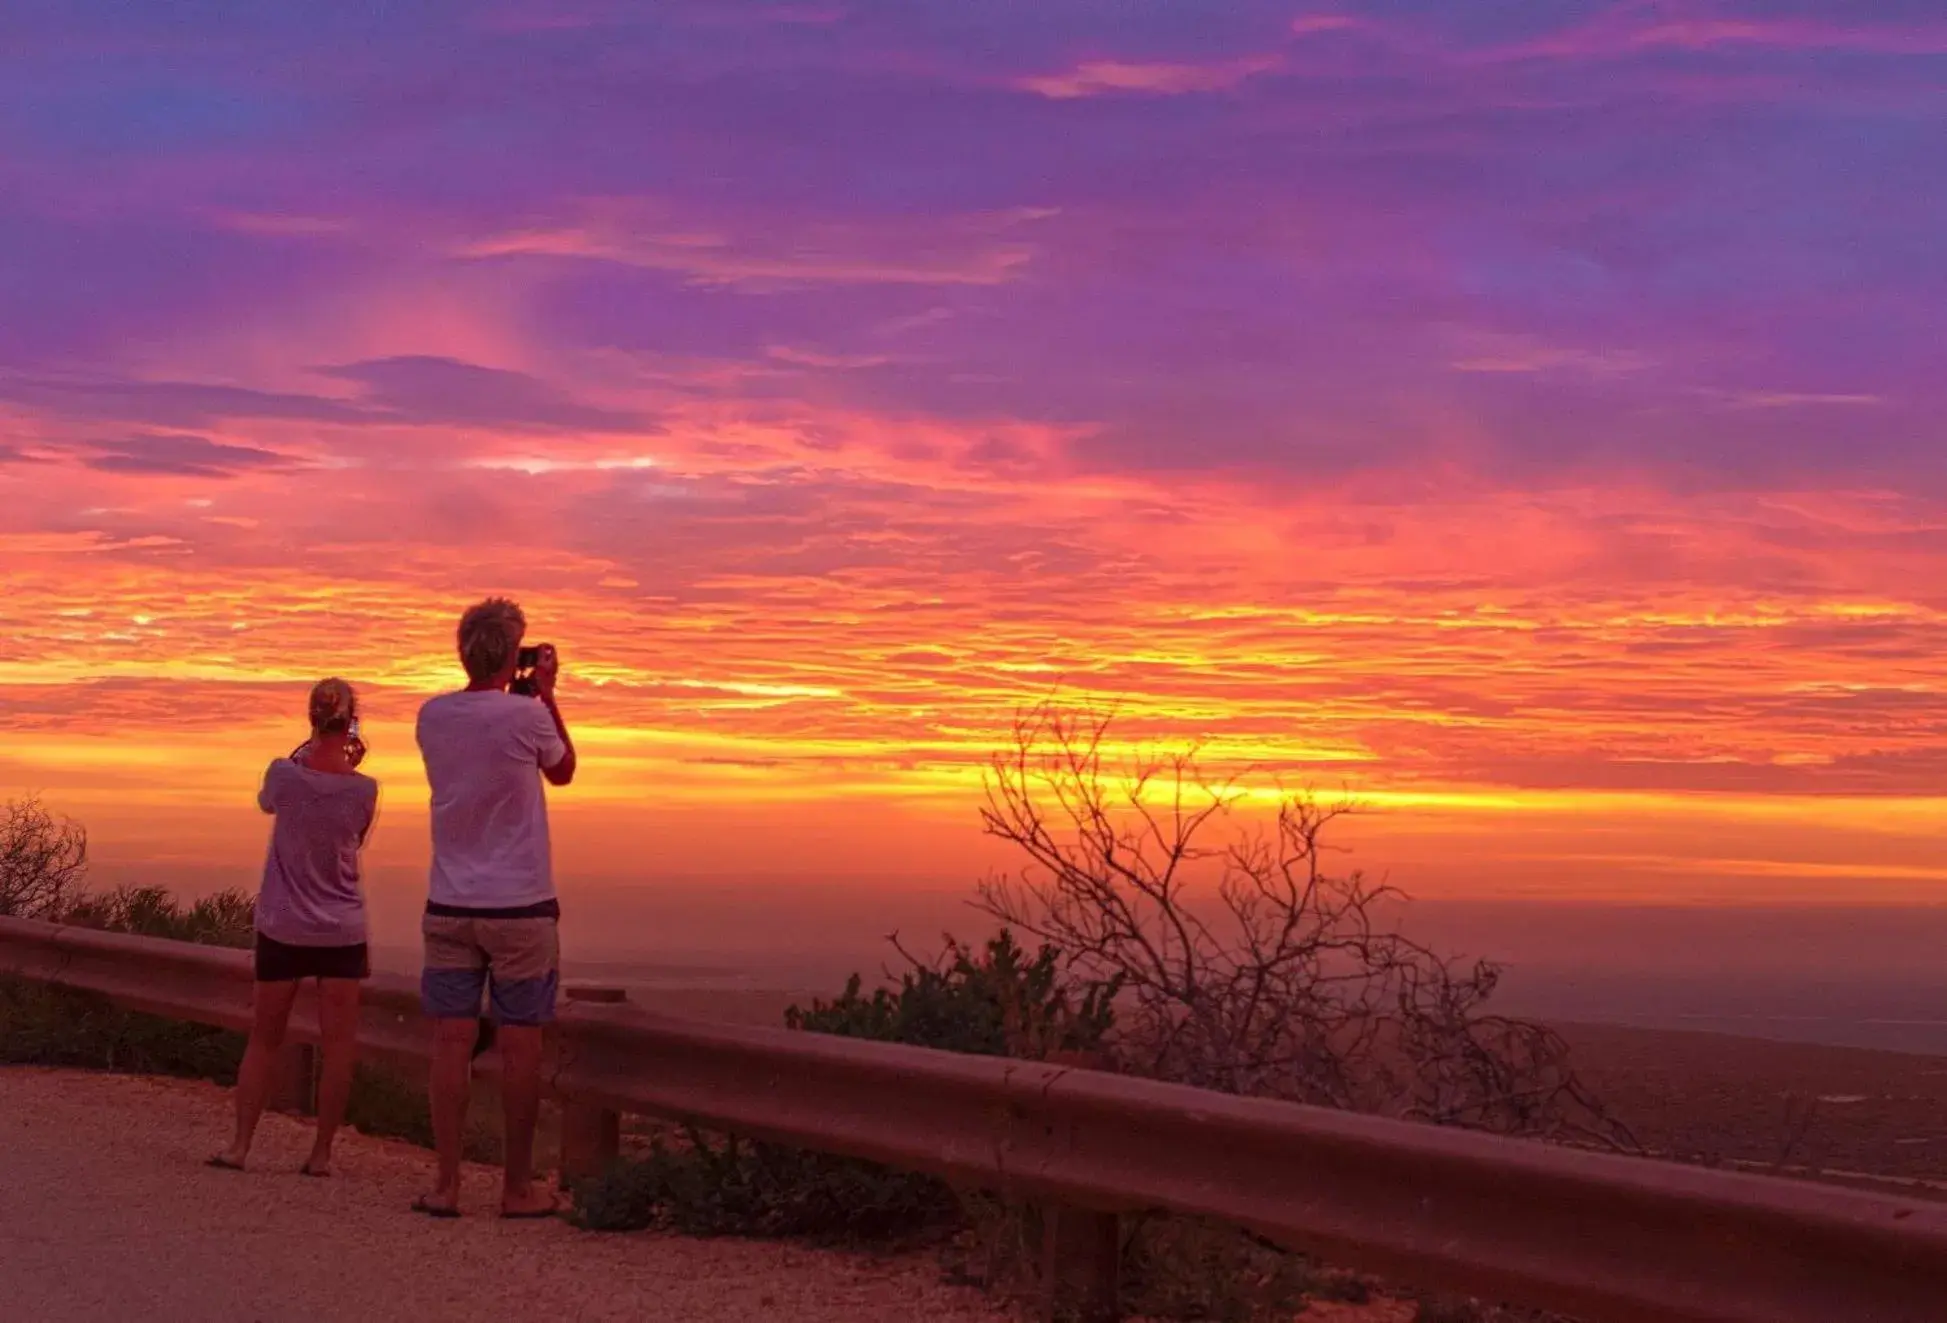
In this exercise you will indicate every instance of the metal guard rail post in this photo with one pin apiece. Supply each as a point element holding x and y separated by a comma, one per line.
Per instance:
<point>1601,1237</point>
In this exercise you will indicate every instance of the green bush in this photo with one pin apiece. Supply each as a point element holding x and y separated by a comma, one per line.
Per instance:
<point>391,1103</point>
<point>50,1026</point>
<point>995,1002</point>
<point>385,1102</point>
<point>223,919</point>
<point>1187,1268</point>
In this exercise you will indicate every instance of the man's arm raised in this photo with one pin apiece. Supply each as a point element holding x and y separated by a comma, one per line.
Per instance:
<point>563,770</point>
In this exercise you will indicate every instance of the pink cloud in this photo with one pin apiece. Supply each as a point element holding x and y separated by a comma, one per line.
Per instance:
<point>1107,77</point>
<point>1703,34</point>
<point>975,250</point>
<point>1624,32</point>
<point>281,226</point>
<point>1312,24</point>
<point>1644,28</point>
<point>815,358</point>
<point>1500,353</point>
<point>1786,399</point>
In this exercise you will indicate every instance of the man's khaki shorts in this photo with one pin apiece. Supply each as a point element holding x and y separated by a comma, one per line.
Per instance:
<point>512,957</point>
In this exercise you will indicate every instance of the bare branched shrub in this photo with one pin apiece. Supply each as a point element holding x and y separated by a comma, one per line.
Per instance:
<point>1245,966</point>
<point>42,859</point>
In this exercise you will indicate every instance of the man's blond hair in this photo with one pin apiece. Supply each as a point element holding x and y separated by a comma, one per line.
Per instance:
<point>490,633</point>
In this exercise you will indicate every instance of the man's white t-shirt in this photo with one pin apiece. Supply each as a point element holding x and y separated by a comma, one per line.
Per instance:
<point>484,751</point>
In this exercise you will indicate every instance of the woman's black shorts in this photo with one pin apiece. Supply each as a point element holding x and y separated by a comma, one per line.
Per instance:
<point>280,962</point>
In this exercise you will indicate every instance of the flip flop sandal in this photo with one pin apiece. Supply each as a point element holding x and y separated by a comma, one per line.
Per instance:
<point>222,1163</point>
<point>557,1209</point>
<point>305,1170</point>
<point>424,1205</point>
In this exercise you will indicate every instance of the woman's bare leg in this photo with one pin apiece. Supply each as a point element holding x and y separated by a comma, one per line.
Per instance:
<point>338,1053</point>
<point>272,1017</point>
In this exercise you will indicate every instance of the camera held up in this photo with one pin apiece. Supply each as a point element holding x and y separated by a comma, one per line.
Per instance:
<point>526,662</point>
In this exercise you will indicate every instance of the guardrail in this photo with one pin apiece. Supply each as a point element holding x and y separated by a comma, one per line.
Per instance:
<point>1605,1238</point>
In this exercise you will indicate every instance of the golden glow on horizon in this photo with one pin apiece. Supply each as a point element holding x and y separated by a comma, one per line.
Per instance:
<point>847,624</point>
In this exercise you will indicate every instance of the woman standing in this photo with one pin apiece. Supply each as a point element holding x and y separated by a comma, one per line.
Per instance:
<point>311,916</point>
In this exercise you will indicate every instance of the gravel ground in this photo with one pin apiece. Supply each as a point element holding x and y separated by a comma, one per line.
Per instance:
<point>107,1213</point>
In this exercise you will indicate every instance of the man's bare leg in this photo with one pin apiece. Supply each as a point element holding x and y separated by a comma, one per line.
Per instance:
<point>271,1018</point>
<point>520,1101</point>
<point>452,1080</point>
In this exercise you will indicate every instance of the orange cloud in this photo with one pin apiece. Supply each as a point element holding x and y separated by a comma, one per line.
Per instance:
<point>854,623</point>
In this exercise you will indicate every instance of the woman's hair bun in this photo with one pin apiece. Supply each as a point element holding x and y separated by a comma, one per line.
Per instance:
<point>333,707</point>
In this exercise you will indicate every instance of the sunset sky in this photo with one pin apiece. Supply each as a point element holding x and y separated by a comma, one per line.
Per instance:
<point>1531,417</point>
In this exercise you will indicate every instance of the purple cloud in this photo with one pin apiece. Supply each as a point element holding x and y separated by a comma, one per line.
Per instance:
<point>1531,240</point>
<point>412,390</point>
<point>421,388</point>
<point>182,456</point>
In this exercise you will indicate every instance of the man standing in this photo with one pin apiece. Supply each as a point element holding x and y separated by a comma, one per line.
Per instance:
<point>491,909</point>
